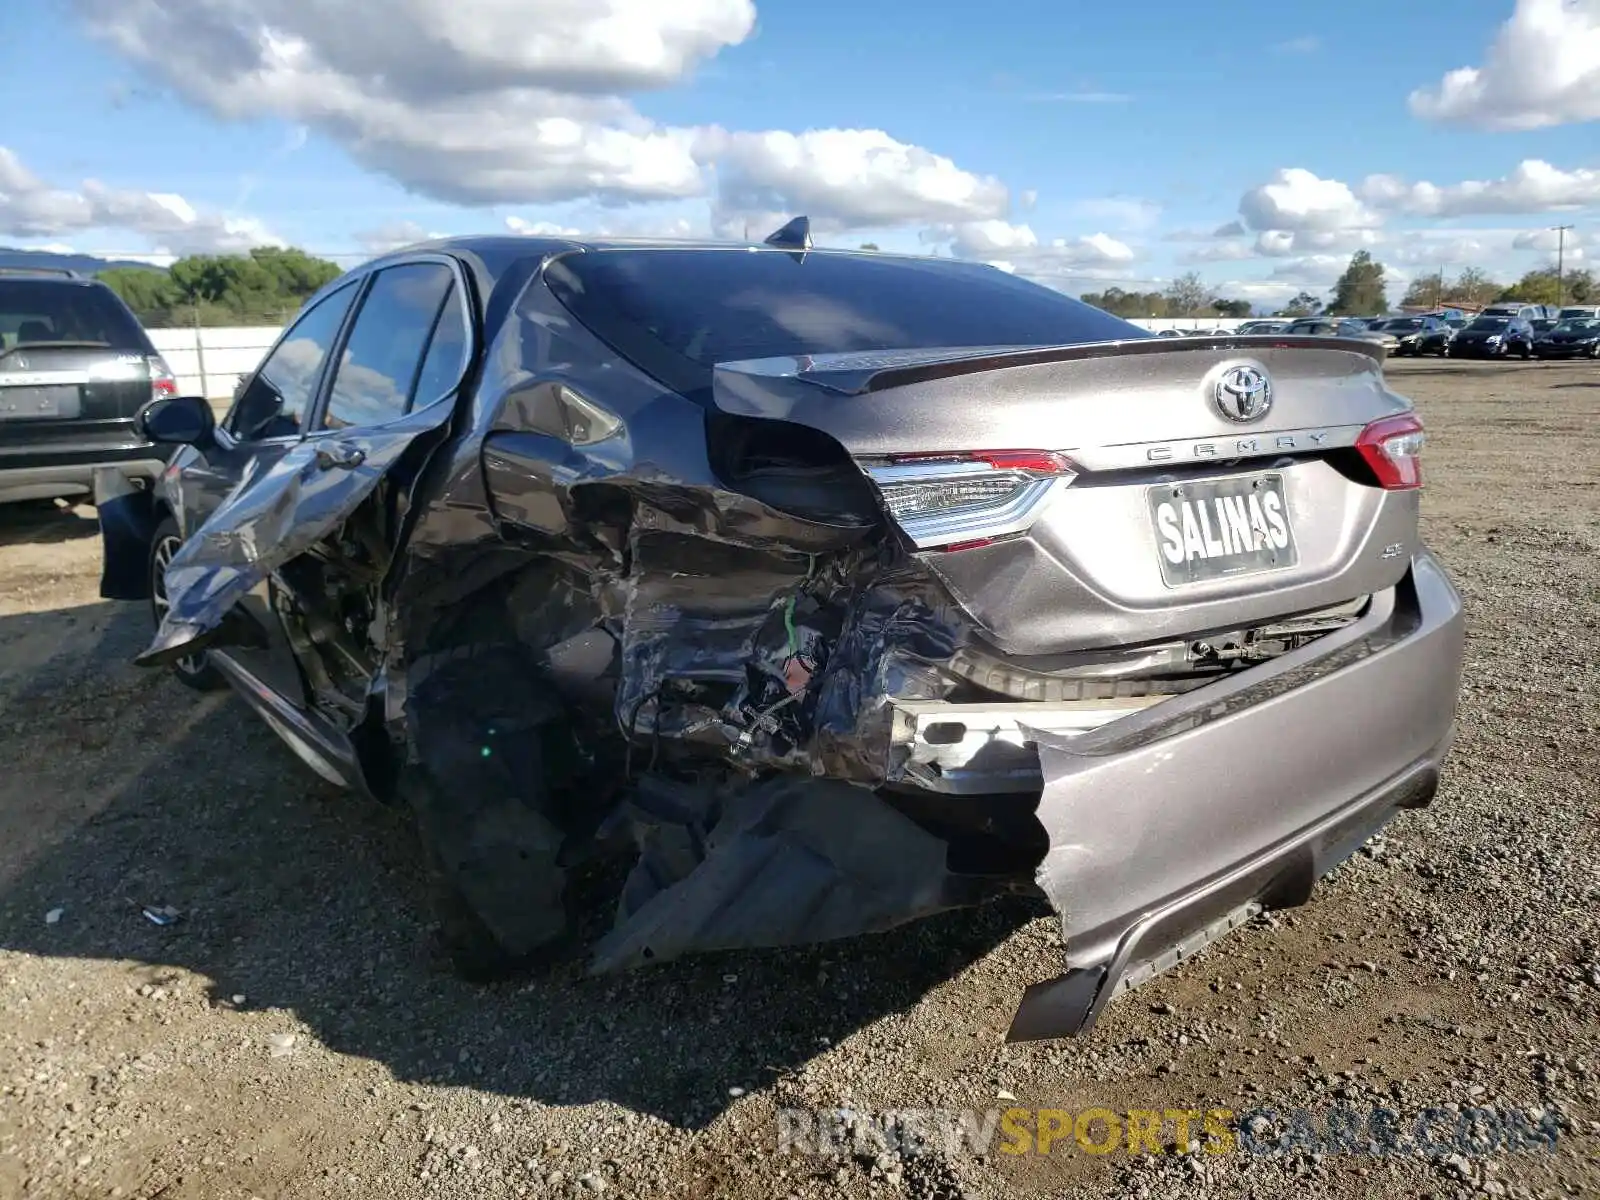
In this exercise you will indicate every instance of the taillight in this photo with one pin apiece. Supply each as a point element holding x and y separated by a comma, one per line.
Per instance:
<point>959,499</point>
<point>162,381</point>
<point>1393,449</point>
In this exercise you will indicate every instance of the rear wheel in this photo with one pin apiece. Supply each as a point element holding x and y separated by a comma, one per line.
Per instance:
<point>196,670</point>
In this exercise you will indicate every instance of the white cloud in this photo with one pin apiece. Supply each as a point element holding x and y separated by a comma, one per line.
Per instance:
<point>1059,262</point>
<point>1542,69</point>
<point>1297,200</point>
<point>1131,213</point>
<point>991,239</point>
<point>1308,44</point>
<point>1312,271</point>
<point>845,179</point>
<point>1547,239</point>
<point>30,208</point>
<point>395,234</point>
<point>1534,186</point>
<point>522,101</point>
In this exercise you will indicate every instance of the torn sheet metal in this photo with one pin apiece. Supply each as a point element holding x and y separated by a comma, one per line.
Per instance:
<point>785,862</point>
<point>272,516</point>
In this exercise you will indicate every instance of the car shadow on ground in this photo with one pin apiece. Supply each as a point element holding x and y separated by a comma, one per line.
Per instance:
<point>33,521</point>
<point>127,791</point>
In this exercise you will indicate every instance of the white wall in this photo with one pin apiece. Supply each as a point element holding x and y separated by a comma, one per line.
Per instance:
<point>208,362</point>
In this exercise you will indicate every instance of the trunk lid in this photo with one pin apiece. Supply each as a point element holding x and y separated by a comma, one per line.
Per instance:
<point>1183,508</point>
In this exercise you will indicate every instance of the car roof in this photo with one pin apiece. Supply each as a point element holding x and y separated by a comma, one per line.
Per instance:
<point>494,257</point>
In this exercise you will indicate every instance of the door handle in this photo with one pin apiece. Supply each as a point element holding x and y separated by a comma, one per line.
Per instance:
<point>344,455</point>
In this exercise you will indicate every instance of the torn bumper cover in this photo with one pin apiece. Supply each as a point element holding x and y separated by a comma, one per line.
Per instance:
<point>1171,827</point>
<point>1167,826</point>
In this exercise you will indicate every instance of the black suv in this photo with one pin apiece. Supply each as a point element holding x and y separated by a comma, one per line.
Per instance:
<point>75,368</point>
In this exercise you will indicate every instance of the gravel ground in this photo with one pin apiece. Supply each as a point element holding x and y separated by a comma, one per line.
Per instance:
<point>295,1033</point>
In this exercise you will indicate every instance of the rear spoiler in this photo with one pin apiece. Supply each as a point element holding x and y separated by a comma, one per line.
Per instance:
<point>861,373</point>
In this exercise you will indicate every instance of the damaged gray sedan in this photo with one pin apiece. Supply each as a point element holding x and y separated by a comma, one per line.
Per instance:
<point>832,589</point>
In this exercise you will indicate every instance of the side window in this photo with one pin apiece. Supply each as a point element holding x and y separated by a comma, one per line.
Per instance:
<point>274,401</point>
<point>447,353</point>
<point>377,370</point>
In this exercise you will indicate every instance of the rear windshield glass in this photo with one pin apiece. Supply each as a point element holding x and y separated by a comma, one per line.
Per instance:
<point>1402,324</point>
<point>39,312</point>
<point>676,313</point>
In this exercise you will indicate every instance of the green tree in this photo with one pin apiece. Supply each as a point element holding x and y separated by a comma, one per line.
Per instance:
<point>1232,308</point>
<point>265,286</point>
<point>1187,295</point>
<point>1303,305</point>
<point>1127,304</point>
<point>1535,287</point>
<point>149,292</point>
<point>1472,287</point>
<point>1426,291</point>
<point>869,245</point>
<point>1360,289</point>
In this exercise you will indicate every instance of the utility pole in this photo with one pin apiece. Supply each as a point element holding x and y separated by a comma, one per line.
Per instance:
<point>1561,263</point>
<point>1438,288</point>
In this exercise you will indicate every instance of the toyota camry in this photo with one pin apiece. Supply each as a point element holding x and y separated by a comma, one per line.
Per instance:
<point>827,590</point>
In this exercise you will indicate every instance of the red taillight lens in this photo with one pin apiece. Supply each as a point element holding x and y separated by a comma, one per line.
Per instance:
<point>1393,449</point>
<point>1038,462</point>
<point>162,382</point>
<point>958,499</point>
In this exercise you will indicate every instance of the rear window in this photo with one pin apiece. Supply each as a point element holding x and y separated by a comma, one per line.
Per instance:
<point>40,312</point>
<point>676,313</point>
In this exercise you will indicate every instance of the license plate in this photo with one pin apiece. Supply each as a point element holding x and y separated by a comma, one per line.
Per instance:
<point>49,401</point>
<point>1214,528</point>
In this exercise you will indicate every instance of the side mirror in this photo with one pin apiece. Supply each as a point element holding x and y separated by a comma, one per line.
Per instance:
<point>177,421</point>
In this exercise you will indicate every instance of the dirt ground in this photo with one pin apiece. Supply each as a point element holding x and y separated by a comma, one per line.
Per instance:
<point>295,1033</point>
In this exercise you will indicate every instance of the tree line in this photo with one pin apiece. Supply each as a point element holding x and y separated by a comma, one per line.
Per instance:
<point>1360,291</point>
<point>268,285</point>
<point>265,287</point>
<point>1186,296</point>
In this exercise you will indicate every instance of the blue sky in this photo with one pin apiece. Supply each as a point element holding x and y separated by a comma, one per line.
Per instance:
<point>1083,145</point>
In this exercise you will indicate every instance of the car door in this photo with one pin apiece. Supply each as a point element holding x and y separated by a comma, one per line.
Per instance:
<point>387,388</point>
<point>270,416</point>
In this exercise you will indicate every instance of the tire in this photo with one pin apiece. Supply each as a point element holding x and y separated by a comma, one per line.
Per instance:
<point>487,821</point>
<point>195,671</point>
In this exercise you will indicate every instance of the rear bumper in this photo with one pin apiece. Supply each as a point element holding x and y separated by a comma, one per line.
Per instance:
<point>47,472</point>
<point>1172,825</point>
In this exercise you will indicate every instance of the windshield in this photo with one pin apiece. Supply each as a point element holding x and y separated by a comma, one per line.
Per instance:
<point>37,312</point>
<point>1573,313</point>
<point>1490,323</point>
<point>1403,324</point>
<point>677,313</point>
<point>1577,323</point>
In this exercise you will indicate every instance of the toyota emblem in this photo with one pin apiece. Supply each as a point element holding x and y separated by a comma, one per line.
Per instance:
<point>1243,393</point>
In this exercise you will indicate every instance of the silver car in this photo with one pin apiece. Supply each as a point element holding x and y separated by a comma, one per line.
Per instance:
<point>827,589</point>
